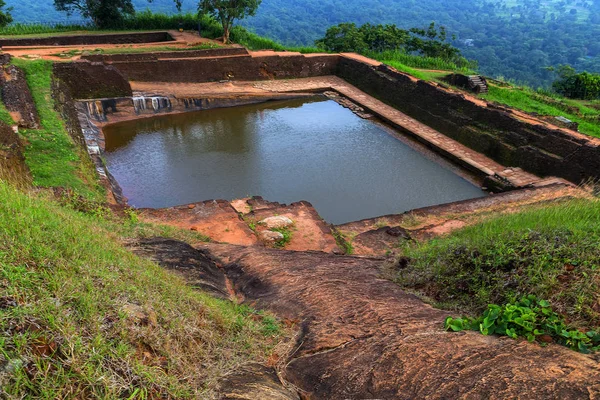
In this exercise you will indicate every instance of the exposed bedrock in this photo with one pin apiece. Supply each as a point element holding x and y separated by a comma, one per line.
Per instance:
<point>17,97</point>
<point>251,382</point>
<point>12,162</point>
<point>363,337</point>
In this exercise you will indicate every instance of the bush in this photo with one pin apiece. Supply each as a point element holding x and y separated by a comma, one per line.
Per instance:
<point>583,85</point>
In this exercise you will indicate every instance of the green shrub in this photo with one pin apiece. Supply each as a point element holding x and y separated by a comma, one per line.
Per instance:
<point>529,318</point>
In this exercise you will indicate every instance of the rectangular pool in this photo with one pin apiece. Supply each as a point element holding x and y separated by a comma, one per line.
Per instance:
<point>285,151</point>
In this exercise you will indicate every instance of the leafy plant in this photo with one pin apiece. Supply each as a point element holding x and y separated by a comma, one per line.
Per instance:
<point>529,318</point>
<point>287,236</point>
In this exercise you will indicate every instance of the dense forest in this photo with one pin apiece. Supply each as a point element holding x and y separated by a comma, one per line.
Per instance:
<point>510,39</point>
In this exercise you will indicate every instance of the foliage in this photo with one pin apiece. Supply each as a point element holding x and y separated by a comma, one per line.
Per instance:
<point>574,85</point>
<point>5,15</point>
<point>103,13</point>
<point>67,329</point>
<point>551,252</point>
<point>287,236</point>
<point>529,318</point>
<point>227,11</point>
<point>347,37</point>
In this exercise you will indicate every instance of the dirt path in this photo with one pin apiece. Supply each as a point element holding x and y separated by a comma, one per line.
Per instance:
<point>365,338</point>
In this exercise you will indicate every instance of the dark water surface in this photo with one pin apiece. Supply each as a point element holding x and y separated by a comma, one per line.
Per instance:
<point>284,151</point>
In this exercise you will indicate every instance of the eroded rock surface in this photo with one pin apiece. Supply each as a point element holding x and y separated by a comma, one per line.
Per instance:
<point>194,265</point>
<point>365,338</point>
<point>17,97</point>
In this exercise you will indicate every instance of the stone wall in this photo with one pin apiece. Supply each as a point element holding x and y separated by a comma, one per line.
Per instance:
<point>219,52</point>
<point>493,131</point>
<point>247,68</point>
<point>88,80</point>
<point>74,40</point>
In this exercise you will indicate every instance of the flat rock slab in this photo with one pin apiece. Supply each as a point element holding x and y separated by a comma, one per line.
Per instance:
<point>216,219</point>
<point>309,231</point>
<point>365,338</point>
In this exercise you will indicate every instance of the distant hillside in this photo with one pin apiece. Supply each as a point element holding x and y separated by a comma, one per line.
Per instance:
<point>513,39</point>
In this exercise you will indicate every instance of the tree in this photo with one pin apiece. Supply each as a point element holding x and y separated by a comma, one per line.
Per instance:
<point>575,85</point>
<point>227,11</point>
<point>103,13</point>
<point>5,16</point>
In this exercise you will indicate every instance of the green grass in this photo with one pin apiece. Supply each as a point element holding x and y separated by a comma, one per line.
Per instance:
<point>415,61</point>
<point>531,101</point>
<point>552,252</point>
<point>67,329</point>
<point>5,115</point>
<point>51,154</point>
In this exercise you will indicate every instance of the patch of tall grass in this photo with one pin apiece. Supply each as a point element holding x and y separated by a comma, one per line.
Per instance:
<point>82,317</point>
<point>550,251</point>
<point>415,61</point>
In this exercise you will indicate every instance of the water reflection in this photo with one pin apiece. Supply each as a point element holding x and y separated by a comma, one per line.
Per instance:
<point>285,151</point>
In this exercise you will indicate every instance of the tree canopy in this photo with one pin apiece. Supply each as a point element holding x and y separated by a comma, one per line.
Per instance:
<point>583,85</point>
<point>430,42</point>
<point>227,11</point>
<point>5,16</point>
<point>103,13</point>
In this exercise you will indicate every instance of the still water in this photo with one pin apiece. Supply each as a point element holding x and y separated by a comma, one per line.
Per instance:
<point>315,150</point>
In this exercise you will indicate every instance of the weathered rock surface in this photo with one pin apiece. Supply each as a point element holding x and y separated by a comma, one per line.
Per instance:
<point>270,236</point>
<point>278,221</point>
<point>194,265</point>
<point>251,382</point>
<point>365,338</point>
<point>17,97</point>
<point>215,218</point>
<point>254,382</point>
<point>12,162</point>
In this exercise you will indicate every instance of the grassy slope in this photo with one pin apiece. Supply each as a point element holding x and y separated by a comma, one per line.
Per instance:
<point>552,252</point>
<point>65,283</point>
<point>531,101</point>
<point>50,153</point>
<point>68,288</point>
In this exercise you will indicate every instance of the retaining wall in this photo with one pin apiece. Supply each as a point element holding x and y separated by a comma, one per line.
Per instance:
<point>493,131</point>
<point>74,40</point>
<point>247,68</point>
<point>219,52</point>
